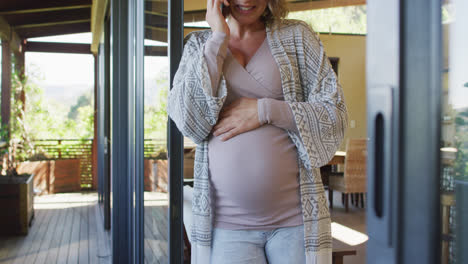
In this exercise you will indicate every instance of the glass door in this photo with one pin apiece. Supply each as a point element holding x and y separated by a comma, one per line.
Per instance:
<point>418,131</point>
<point>454,134</point>
<point>156,87</point>
<point>383,88</point>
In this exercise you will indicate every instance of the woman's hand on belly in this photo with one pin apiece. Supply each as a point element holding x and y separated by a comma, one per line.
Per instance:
<point>239,117</point>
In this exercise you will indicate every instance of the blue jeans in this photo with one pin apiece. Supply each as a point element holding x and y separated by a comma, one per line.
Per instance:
<point>277,246</point>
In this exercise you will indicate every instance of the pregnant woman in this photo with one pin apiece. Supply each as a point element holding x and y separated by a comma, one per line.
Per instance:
<point>258,96</point>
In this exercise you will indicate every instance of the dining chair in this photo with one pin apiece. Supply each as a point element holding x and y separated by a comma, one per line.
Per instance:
<point>353,179</point>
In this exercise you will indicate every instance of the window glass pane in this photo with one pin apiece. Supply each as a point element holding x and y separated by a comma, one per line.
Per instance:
<point>349,19</point>
<point>454,126</point>
<point>156,87</point>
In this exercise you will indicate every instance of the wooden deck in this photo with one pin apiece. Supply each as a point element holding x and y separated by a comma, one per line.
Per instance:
<point>156,228</point>
<point>68,228</point>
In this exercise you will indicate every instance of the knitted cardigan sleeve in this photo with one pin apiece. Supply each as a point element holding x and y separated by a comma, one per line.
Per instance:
<point>191,103</point>
<point>321,119</point>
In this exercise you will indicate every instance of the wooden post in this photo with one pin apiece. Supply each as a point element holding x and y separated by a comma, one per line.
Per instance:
<point>94,148</point>
<point>20,70</point>
<point>59,149</point>
<point>6,84</point>
<point>447,200</point>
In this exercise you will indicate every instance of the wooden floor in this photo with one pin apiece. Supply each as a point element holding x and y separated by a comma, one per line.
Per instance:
<point>68,229</point>
<point>156,228</point>
<point>354,236</point>
<point>64,230</point>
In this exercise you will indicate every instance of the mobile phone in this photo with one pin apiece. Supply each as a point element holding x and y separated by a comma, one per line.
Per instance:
<point>224,10</point>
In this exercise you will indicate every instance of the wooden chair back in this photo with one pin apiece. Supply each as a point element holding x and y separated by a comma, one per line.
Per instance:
<point>355,167</point>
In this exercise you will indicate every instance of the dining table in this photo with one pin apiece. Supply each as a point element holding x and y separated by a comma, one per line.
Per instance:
<point>338,158</point>
<point>327,170</point>
<point>448,156</point>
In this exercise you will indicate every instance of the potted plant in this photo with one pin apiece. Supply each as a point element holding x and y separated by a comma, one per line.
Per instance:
<point>16,195</point>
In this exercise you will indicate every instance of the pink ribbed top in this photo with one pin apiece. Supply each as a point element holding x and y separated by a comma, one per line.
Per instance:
<point>254,175</point>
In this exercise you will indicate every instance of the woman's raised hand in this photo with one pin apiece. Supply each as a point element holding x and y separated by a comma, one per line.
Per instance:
<point>239,117</point>
<point>214,16</point>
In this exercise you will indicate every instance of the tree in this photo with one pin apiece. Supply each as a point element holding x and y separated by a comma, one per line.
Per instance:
<point>350,19</point>
<point>48,119</point>
<point>83,100</point>
<point>156,115</point>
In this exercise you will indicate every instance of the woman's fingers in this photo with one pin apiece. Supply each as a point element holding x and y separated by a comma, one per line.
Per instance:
<point>212,6</point>
<point>222,130</point>
<point>238,117</point>
<point>232,133</point>
<point>223,126</point>
<point>217,4</point>
<point>215,18</point>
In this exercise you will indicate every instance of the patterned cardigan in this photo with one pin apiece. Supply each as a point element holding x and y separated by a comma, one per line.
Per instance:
<point>310,87</point>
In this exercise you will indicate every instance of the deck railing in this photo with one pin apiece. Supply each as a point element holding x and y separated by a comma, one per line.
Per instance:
<point>71,149</point>
<point>82,149</point>
<point>155,148</point>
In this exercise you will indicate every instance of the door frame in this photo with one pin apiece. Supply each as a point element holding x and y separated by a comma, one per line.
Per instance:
<point>404,102</point>
<point>421,57</point>
<point>175,139</point>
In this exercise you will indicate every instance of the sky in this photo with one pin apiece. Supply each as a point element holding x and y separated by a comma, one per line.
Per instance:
<point>59,68</point>
<point>74,73</point>
<point>64,77</point>
<point>458,58</point>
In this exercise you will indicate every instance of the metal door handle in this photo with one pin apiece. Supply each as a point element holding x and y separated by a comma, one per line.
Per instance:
<point>379,169</point>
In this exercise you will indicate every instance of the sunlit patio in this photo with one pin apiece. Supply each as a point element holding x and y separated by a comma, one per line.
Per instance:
<point>67,228</point>
<point>349,230</point>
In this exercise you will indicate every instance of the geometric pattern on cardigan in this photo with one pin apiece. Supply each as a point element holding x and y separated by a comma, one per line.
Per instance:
<point>311,88</point>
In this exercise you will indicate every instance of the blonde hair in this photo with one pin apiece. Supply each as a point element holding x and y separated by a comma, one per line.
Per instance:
<point>276,10</point>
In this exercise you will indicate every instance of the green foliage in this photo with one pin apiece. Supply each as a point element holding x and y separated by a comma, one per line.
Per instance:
<point>42,119</point>
<point>85,122</point>
<point>459,121</point>
<point>156,115</point>
<point>5,138</point>
<point>83,100</point>
<point>461,138</point>
<point>461,164</point>
<point>47,119</point>
<point>350,19</point>
<point>448,13</point>
<point>464,113</point>
<point>20,140</point>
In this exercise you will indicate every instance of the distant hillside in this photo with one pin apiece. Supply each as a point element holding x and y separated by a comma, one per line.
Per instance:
<point>69,94</point>
<point>464,109</point>
<point>66,94</point>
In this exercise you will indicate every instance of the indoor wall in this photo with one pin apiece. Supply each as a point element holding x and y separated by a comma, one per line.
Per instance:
<point>351,51</point>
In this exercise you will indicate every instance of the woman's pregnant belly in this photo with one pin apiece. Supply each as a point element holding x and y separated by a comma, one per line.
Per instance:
<point>255,174</point>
